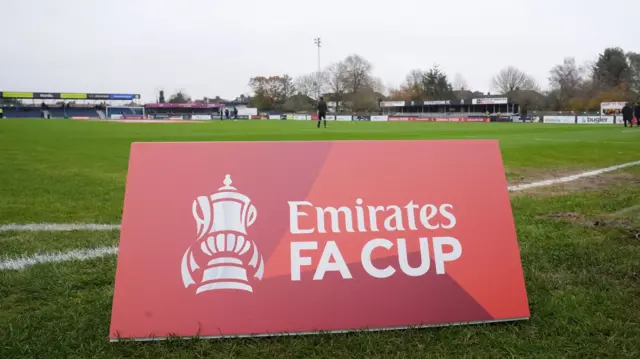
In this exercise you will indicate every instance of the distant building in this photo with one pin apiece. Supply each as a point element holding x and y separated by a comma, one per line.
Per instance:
<point>472,106</point>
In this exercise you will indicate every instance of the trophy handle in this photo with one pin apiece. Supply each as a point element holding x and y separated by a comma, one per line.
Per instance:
<point>187,266</point>
<point>251,217</point>
<point>203,223</point>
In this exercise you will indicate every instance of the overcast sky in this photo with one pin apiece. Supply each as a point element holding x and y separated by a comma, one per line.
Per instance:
<point>212,47</point>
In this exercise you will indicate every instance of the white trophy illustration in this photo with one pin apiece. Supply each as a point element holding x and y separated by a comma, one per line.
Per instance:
<point>222,252</point>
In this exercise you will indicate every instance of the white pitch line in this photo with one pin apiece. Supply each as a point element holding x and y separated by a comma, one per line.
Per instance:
<point>58,227</point>
<point>567,140</point>
<point>553,181</point>
<point>86,254</point>
<point>110,227</point>
<point>55,257</point>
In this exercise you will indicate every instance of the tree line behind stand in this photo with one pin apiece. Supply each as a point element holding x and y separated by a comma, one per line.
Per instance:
<point>350,84</point>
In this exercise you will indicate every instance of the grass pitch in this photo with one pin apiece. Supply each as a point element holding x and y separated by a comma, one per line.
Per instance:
<point>578,242</point>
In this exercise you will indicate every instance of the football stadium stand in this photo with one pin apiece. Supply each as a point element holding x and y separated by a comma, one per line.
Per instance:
<point>52,105</point>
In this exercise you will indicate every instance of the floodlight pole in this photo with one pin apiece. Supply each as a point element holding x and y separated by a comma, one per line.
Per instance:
<point>318,43</point>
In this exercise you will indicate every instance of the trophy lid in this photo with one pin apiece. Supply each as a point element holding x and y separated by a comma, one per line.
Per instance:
<point>227,184</point>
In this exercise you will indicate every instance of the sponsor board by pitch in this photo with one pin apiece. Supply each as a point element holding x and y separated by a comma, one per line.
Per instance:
<point>596,120</point>
<point>234,245</point>
<point>559,119</point>
<point>438,119</point>
<point>380,118</point>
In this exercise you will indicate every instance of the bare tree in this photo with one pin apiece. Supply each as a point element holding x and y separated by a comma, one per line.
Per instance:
<point>390,87</point>
<point>335,77</point>
<point>358,73</point>
<point>414,78</point>
<point>413,84</point>
<point>566,76</point>
<point>587,70</point>
<point>565,80</point>
<point>287,87</point>
<point>377,85</point>
<point>307,85</point>
<point>367,97</point>
<point>511,79</point>
<point>459,83</point>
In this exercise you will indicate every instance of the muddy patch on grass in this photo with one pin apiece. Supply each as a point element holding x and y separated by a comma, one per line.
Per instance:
<point>626,220</point>
<point>527,175</point>
<point>566,215</point>
<point>592,183</point>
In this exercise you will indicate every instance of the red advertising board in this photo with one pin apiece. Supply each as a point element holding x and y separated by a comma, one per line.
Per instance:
<point>440,119</point>
<point>260,238</point>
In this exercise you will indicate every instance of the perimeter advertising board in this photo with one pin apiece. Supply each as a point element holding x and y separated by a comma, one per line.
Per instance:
<point>438,119</point>
<point>201,117</point>
<point>232,245</point>
<point>379,118</point>
<point>596,120</point>
<point>559,119</point>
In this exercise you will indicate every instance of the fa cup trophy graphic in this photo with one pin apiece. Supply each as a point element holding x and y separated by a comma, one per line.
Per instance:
<point>222,253</point>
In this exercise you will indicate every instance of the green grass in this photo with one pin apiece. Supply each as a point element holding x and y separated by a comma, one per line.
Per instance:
<point>583,280</point>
